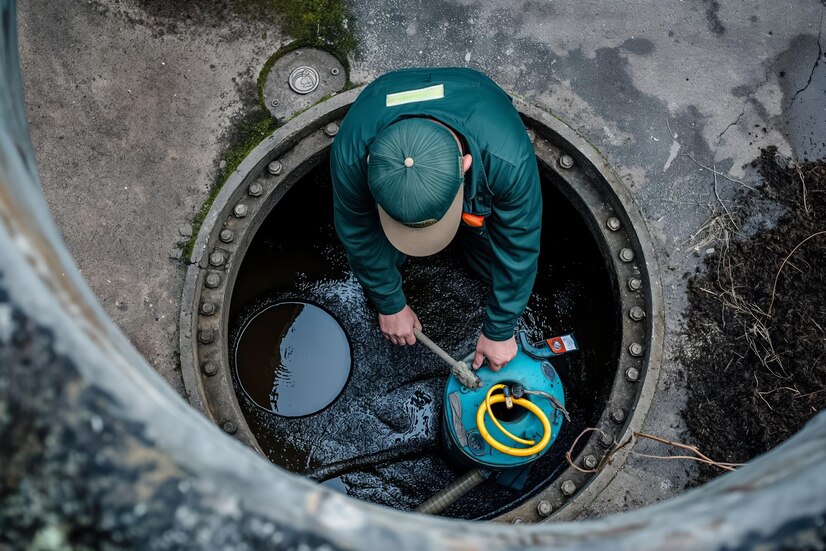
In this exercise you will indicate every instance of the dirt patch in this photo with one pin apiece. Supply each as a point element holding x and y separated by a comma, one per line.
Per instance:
<point>756,327</point>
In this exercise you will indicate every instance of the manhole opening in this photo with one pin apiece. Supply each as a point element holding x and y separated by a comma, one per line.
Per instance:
<point>379,439</point>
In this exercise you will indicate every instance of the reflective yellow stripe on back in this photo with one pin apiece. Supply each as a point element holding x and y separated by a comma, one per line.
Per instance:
<point>410,96</point>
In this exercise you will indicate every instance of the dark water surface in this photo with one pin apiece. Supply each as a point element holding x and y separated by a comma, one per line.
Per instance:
<point>292,359</point>
<point>379,440</point>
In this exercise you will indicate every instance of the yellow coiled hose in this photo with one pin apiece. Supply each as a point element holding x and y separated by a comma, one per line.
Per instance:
<point>484,408</point>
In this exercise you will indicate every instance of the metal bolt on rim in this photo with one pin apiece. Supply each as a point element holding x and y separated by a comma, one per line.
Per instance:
<point>618,416</point>
<point>255,189</point>
<point>230,427</point>
<point>331,129</point>
<point>568,488</point>
<point>635,284</point>
<point>226,236</point>
<point>626,255</point>
<point>207,308</point>
<point>613,223</point>
<point>274,168</point>
<point>636,313</point>
<point>209,369</point>
<point>589,462</point>
<point>544,508</point>
<point>566,162</point>
<point>217,259</point>
<point>636,349</point>
<point>632,374</point>
<point>240,210</point>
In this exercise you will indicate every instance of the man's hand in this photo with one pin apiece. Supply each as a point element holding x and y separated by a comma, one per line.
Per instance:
<point>398,328</point>
<point>498,353</point>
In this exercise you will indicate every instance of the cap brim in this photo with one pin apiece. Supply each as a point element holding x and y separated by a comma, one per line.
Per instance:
<point>424,241</point>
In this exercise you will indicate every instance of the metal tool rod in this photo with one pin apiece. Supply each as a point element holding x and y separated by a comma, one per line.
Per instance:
<point>460,369</point>
<point>450,495</point>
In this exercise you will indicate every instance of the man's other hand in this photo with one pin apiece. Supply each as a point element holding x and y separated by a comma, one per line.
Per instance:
<point>498,353</point>
<point>398,328</point>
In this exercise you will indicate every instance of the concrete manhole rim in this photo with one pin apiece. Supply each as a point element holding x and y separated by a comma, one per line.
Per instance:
<point>245,200</point>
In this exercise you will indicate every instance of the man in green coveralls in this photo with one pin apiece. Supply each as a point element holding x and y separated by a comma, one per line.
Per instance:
<point>421,155</point>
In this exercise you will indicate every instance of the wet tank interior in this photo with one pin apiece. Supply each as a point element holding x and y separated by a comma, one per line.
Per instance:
<point>377,438</point>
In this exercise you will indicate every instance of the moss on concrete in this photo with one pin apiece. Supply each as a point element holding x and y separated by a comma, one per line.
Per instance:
<point>323,24</point>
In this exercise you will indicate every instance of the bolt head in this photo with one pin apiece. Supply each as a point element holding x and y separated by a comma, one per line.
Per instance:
<point>626,255</point>
<point>606,440</point>
<point>331,129</point>
<point>207,308</point>
<point>209,369</point>
<point>613,223</point>
<point>230,427</point>
<point>240,210</point>
<point>544,508</point>
<point>568,488</point>
<point>517,520</point>
<point>632,374</point>
<point>636,349</point>
<point>636,313</point>
<point>206,336</point>
<point>274,168</point>
<point>635,284</point>
<point>618,416</point>
<point>255,189</point>
<point>566,161</point>
<point>217,258</point>
<point>589,462</point>
<point>212,280</point>
<point>334,71</point>
<point>226,236</point>
<point>274,103</point>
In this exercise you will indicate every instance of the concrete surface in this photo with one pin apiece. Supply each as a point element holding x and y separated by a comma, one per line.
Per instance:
<point>127,116</point>
<point>127,113</point>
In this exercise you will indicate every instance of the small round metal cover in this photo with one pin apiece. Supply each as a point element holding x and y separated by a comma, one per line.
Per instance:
<point>303,79</point>
<point>298,79</point>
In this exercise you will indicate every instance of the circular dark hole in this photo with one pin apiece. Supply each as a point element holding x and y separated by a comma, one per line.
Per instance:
<point>501,411</point>
<point>380,439</point>
<point>292,359</point>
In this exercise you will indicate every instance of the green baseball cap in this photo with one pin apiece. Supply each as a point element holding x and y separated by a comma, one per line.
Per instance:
<point>414,172</point>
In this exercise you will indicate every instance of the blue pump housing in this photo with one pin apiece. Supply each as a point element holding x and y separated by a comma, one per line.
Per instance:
<point>531,368</point>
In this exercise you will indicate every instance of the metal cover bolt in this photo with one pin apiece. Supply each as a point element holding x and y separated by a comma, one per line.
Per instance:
<point>240,210</point>
<point>255,189</point>
<point>613,223</point>
<point>636,313</point>
<point>636,349</point>
<point>303,79</point>
<point>209,369</point>
<point>626,255</point>
<point>517,520</point>
<point>606,440</point>
<point>230,427</point>
<point>331,129</point>
<point>217,258</point>
<point>334,71</point>
<point>274,103</point>
<point>589,462</point>
<point>226,236</point>
<point>568,488</point>
<point>635,284</point>
<point>206,336</point>
<point>212,280</point>
<point>566,161</point>
<point>544,508</point>
<point>632,374</point>
<point>274,168</point>
<point>207,308</point>
<point>618,416</point>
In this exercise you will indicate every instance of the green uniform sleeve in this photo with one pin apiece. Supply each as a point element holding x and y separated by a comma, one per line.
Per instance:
<point>514,228</point>
<point>374,261</point>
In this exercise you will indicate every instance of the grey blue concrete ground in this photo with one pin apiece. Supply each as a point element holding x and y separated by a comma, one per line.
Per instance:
<point>128,112</point>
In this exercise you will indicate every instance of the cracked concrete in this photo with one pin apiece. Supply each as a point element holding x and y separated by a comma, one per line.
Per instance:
<point>127,110</point>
